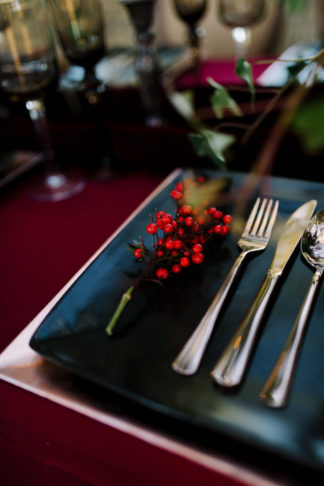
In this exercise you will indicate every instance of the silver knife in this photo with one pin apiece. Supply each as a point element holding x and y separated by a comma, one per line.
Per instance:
<point>231,366</point>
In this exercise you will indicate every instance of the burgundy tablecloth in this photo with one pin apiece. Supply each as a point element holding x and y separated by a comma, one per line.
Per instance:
<point>42,443</point>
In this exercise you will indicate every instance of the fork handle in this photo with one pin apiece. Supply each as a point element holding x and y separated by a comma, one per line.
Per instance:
<point>230,368</point>
<point>189,358</point>
<point>276,390</point>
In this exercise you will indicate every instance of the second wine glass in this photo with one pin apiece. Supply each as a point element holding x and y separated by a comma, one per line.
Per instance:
<point>191,12</point>
<point>80,26</point>
<point>239,15</point>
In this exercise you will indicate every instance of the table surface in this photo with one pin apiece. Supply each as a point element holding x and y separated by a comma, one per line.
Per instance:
<point>42,247</point>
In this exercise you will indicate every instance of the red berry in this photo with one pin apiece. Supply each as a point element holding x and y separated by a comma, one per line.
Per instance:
<point>225,229</point>
<point>200,179</point>
<point>160,242</point>
<point>179,186</point>
<point>177,244</point>
<point>200,219</point>
<point>176,268</point>
<point>162,273</point>
<point>227,218</point>
<point>174,224</point>
<point>168,228</point>
<point>159,214</point>
<point>138,253</point>
<point>189,221</point>
<point>165,219</point>
<point>185,262</point>
<point>197,258</point>
<point>169,244</point>
<point>151,228</point>
<point>218,214</point>
<point>202,239</point>
<point>160,253</point>
<point>180,232</point>
<point>211,210</point>
<point>159,224</point>
<point>186,210</point>
<point>218,229</point>
<point>174,252</point>
<point>197,248</point>
<point>187,253</point>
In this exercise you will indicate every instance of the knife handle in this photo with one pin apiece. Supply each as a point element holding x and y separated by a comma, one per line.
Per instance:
<point>230,368</point>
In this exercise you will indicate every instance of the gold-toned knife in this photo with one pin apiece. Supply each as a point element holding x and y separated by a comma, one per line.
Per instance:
<point>231,366</point>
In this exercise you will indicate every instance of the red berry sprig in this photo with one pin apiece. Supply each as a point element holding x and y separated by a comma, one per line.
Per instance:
<point>178,241</point>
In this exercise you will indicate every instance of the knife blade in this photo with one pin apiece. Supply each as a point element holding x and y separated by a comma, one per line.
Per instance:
<point>232,365</point>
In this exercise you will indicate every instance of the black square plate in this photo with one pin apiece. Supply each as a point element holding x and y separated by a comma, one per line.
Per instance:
<point>136,361</point>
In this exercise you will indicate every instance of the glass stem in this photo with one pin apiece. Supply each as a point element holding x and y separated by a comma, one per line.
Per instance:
<point>242,40</point>
<point>37,112</point>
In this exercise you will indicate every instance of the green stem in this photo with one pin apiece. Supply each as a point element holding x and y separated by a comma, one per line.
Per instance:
<point>122,304</point>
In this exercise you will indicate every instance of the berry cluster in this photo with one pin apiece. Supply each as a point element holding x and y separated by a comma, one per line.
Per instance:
<point>179,241</point>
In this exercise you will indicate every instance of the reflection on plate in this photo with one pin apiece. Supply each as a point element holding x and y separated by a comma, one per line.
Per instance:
<point>136,362</point>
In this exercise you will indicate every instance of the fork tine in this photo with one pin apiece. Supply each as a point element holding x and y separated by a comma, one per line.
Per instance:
<point>251,218</point>
<point>272,220</point>
<point>259,217</point>
<point>265,218</point>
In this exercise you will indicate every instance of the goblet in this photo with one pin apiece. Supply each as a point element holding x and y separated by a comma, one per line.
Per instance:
<point>239,15</point>
<point>141,13</point>
<point>191,12</point>
<point>27,66</point>
<point>80,26</point>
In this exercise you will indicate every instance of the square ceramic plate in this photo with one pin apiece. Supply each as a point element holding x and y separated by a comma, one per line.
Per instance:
<point>135,363</point>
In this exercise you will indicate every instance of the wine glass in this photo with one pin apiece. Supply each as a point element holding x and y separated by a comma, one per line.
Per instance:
<point>141,13</point>
<point>27,66</point>
<point>191,12</point>
<point>239,15</point>
<point>80,26</point>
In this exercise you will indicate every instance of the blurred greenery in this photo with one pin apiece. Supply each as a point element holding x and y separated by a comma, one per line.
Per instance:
<point>309,123</point>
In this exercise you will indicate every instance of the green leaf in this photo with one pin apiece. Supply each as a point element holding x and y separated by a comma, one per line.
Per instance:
<point>221,100</point>
<point>294,5</point>
<point>212,144</point>
<point>309,123</point>
<point>183,103</point>
<point>243,69</point>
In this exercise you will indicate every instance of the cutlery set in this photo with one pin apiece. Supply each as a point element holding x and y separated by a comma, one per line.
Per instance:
<point>232,365</point>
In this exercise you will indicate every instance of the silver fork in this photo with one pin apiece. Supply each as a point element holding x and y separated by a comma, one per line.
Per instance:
<point>255,237</point>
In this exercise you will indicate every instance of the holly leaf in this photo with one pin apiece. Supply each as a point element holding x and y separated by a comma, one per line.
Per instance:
<point>309,123</point>
<point>212,144</point>
<point>243,69</point>
<point>221,100</point>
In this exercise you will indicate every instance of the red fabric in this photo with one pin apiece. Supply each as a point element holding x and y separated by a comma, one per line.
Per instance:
<point>222,71</point>
<point>42,443</point>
